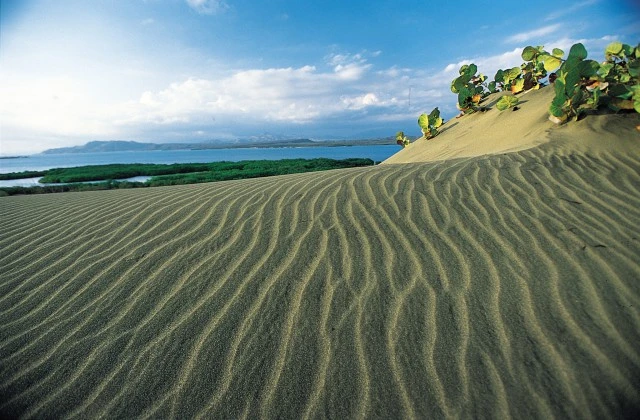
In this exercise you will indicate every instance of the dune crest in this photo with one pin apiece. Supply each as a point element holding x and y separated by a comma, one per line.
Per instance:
<point>495,131</point>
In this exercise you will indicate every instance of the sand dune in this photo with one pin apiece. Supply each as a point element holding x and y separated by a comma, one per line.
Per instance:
<point>497,131</point>
<point>497,286</point>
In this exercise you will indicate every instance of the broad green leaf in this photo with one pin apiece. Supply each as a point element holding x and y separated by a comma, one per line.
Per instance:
<point>557,52</point>
<point>605,68</point>
<point>596,97</point>
<point>634,67</point>
<point>620,91</point>
<point>529,53</point>
<point>423,121</point>
<point>507,101</point>
<point>588,68</point>
<point>550,62</point>
<point>458,84</point>
<point>571,63</point>
<point>627,50</point>
<point>464,97</point>
<point>463,69</point>
<point>492,86</point>
<point>560,87</point>
<point>438,122</point>
<point>572,79</point>
<point>499,77</point>
<point>560,100</point>
<point>578,50</point>
<point>471,70</point>
<point>556,110</point>
<point>511,74</point>
<point>614,48</point>
<point>435,114</point>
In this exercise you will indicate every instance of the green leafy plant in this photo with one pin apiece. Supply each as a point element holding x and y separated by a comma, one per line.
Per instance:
<point>619,76</point>
<point>470,88</point>
<point>506,79</point>
<point>430,123</point>
<point>401,139</point>
<point>537,63</point>
<point>572,98</point>
<point>507,101</point>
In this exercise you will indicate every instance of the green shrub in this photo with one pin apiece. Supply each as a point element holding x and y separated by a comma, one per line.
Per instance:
<point>582,85</point>
<point>430,123</point>
<point>470,88</point>
<point>619,76</point>
<point>401,139</point>
<point>185,173</point>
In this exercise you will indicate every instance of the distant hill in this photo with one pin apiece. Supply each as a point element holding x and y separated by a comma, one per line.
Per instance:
<point>133,146</point>
<point>105,146</point>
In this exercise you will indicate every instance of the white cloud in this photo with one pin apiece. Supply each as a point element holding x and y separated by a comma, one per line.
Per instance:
<point>560,12</point>
<point>361,101</point>
<point>208,7</point>
<point>296,95</point>
<point>534,34</point>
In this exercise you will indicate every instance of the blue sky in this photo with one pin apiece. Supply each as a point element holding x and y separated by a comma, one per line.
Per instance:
<point>199,70</point>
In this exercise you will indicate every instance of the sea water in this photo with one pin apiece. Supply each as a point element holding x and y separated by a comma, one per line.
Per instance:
<point>42,162</point>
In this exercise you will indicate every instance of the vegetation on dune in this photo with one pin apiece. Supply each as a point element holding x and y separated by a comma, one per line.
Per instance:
<point>402,139</point>
<point>580,85</point>
<point>430,123</point>
<point>584,85</point>
<point>470,88</point>
<point>176,174</point>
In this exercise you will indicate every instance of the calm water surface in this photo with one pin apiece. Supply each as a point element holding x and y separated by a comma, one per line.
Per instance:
<point>43,162</point>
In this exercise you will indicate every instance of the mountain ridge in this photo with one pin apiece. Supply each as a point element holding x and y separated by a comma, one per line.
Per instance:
<point>101,146</point>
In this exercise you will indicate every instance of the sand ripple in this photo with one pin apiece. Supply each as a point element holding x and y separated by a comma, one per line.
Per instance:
<point>504,286</point>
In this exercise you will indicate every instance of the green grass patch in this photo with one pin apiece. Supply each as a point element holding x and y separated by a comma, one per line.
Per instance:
<point>74,179</point>
<point>21,175</point>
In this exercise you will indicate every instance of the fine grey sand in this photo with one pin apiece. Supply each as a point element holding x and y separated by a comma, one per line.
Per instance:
<point>503,285</point>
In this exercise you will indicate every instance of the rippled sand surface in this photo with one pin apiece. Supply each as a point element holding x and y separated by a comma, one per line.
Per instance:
<point>498,286</point>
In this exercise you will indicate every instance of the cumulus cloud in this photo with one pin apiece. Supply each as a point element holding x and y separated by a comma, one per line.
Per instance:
<point>208,7</point>
<point>289,94</point>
